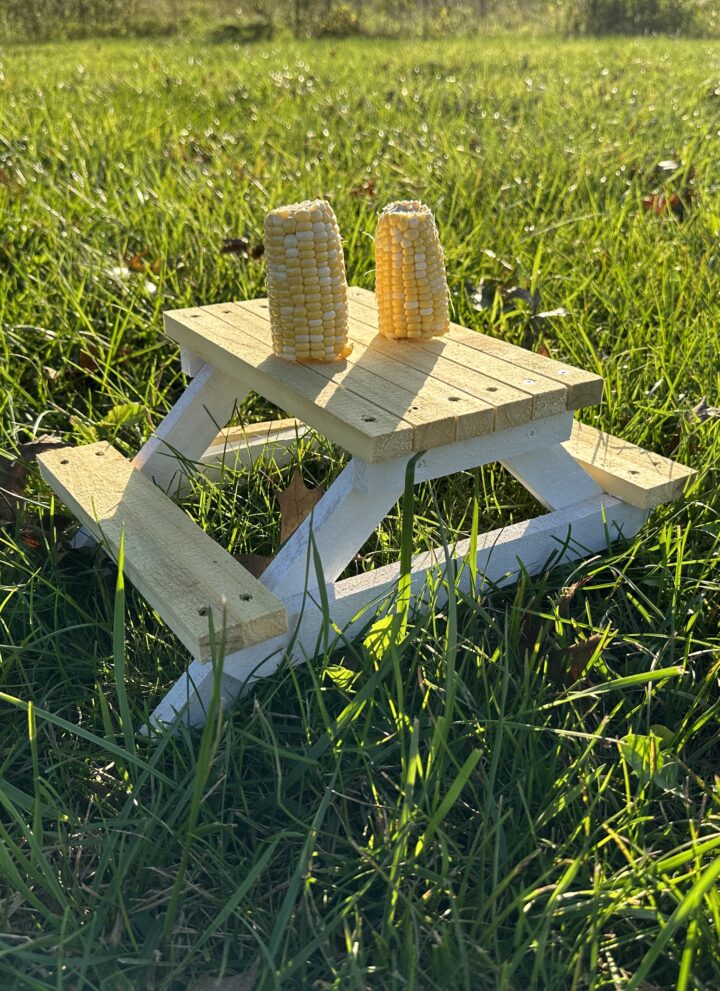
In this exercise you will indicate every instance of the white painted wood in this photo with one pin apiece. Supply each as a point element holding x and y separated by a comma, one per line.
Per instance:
<point>552,476</point>
<point>340,524</point>
<point>190,363</point>
<point>194,421</point>
<point>556,538</point>
<point>462,455</point>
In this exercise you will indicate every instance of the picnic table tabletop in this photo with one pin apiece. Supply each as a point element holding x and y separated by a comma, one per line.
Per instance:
<point>388,398</point>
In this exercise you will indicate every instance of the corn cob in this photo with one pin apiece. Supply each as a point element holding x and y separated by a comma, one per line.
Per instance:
<point>307,291</point>
<point>410,283</point>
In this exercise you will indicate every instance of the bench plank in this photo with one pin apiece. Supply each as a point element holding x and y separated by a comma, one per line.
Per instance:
<point>177,567</point>
<point>628,472</point>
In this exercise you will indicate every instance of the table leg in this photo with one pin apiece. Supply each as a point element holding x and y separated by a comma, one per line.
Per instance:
<point>182,438</point>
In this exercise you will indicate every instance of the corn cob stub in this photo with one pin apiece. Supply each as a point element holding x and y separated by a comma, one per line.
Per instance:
<point>410,282</point>
<point>307,290</point>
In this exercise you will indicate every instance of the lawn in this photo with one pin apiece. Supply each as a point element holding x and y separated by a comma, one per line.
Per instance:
<point>443,811</point>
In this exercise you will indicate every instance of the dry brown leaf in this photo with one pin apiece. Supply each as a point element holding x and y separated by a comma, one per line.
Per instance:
<point>13,476</point>
<point>569,663</point>
<point>566,596</point>
<point>296,502</point>
<point>254,563</point>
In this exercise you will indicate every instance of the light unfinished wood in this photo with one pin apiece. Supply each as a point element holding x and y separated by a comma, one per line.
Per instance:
<point>583,388</point>
<point>349,420</point>
<point>178,568</point>
<point>398,364</point>
<point>433,425</point>
<point>454,363</point>
<point>626,471</point>
<point>472,416</point>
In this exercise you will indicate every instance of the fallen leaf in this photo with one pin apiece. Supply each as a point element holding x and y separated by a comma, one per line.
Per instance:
<point>12,488</point>
<point>704,412</point>
<point>254,563</point>
<point>570,662</point>
<point>543,349</point>
<point>14,473</point>
<point>235,246</point>
<point>566,596</point>
<point>136,263</point>
<point>367,189</point>
<point>296,502</point>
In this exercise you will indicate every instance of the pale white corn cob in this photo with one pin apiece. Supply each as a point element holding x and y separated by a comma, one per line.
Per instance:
<point>307,290</point>
<point>410,283</point>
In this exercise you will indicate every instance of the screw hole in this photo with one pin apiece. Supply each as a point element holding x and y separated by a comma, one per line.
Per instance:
<point>368,419</point>
<point>99,454</point>
<point>454,399</point>
<point>563,372</point>
<point>203,611</point>
<point>64,461</point>
<point>528,381</point>
<point>413,409</point>
<point>245,597</point>
<point>633,472</point>
<point>492,388</point>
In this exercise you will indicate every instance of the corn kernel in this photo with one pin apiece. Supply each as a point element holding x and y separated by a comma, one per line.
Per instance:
<point>307,289</point>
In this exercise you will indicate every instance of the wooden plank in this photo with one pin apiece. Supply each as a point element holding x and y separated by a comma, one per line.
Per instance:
<point>178,568</point>
<point>626,471</point>
<point>433,425</point>
<point>472,417</point>
<point>491,404</point>
<point>583,388</point>
<point>512,406</point>
<point>458,365</point>
<point>359,426</point>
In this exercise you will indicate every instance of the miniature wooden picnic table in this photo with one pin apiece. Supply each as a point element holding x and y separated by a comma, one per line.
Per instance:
<point>462,400</point>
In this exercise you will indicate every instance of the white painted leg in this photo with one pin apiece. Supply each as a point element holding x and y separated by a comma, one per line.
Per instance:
<point>553,476</point>
<point>190,363</point>
<point>204,408</point>
<point>340,524</point>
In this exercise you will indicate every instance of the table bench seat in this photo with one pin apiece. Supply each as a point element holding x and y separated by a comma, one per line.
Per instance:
<point>176,567</point>
<point>626,471</point>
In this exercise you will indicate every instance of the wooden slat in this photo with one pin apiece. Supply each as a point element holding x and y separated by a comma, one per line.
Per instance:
<point>583,388</point>
<point>423,396</point>
<point>626,471</point>
<point>400,363</point>
<point>461,367</point>
<point>433,425</point>
<point>349,420</point>
<point>177,567</point>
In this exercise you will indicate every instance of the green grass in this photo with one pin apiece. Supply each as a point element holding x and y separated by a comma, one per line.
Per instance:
<point>436,811</point>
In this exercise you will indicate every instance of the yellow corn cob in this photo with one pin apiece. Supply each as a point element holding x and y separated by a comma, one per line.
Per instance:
<point>307,291</point>
<point>410,283</point>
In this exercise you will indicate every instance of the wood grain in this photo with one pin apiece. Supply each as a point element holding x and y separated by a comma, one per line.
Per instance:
<point>178,568</point>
